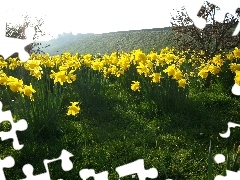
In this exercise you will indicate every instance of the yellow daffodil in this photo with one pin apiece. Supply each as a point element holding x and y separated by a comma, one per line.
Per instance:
<point>28,91</point>
<point>170,70</point>
<point>236,52</point>
<point>203,73</point>
<point>182,83</point>
<point>135,86</point>
<point>73,109</point>
<point>155,77</point>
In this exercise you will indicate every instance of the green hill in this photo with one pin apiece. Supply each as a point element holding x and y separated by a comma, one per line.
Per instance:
<point>126,41</point>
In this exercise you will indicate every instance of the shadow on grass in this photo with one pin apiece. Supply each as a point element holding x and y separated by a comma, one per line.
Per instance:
<point>125,129</point>
<point>122,128</point>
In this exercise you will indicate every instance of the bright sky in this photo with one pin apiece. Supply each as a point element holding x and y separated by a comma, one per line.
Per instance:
<point>94,16</point>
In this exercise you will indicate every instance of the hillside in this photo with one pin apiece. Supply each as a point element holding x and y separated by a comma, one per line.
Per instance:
<point>145,39</point>
<point>57,44</point>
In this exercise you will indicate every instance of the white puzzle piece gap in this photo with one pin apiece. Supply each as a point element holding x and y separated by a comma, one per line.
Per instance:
<point>137,167</point>
<point>20,125</point>
<point>87,173</point>
<point>236,89</point>
<point>7,162</point>
<point>230,175</point>
<point>66,164</point>
<point>9,46</point>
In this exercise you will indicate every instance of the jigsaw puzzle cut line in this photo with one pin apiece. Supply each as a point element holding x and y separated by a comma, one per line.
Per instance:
<point>66,164</point>
<point>20,125</point>
<point>7,162</point>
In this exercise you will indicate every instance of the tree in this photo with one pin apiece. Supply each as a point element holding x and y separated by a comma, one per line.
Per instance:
<point>18,31</point>
<point>212,39</point>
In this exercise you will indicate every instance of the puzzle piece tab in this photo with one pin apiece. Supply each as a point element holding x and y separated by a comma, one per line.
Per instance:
<point>66,166</point>
<point>137,167</point>
<point>9,45</point>
<point>21,125</point>
<point>7,162</point>
<point>87,173</point>
<point>236,89</point>
<point>230,125</point>
<point>230,175</point>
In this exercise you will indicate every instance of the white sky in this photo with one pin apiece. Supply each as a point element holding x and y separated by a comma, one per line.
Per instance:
<point>94,16</point>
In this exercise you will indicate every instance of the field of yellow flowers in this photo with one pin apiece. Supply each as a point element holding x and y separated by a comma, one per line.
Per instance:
<point>167,72</point>
<point>50,90</point>
<point>168,64</point>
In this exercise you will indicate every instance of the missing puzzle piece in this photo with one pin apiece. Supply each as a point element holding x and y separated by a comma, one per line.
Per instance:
<point>236,89</point>
<point>230,175</point>
<point>66,164</point>
<point>137,167</point>
<point>7,162</point>
<point>20,125</point>
<point>192,8</point>
<point>87,173</point>
<point>9,46</point>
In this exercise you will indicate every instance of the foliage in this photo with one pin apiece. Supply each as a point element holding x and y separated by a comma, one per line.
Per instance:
<point>212,39</point>
<point>18,31</point>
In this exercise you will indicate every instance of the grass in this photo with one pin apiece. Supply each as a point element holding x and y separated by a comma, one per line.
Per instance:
<point>126,127</point>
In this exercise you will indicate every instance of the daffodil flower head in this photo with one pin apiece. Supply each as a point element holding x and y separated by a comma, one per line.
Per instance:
<point>73,109</point>
<point>135,86</point>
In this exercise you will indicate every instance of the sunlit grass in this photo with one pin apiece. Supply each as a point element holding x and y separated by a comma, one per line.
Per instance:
<point>168,126</point>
